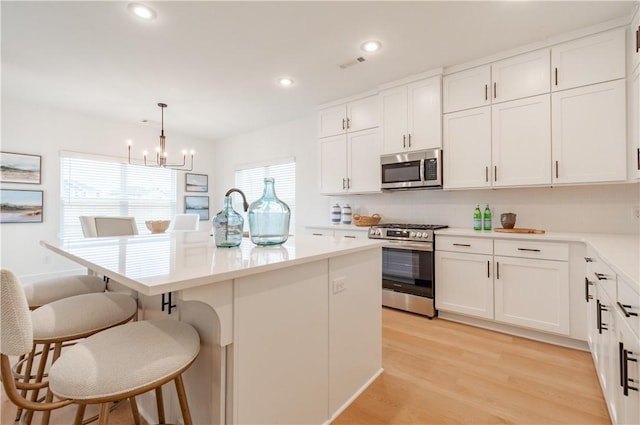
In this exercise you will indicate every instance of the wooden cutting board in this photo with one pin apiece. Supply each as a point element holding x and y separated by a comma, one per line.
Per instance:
<point>520,230</point>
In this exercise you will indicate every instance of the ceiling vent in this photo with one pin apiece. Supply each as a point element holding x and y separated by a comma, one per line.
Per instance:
<point>352,62</point>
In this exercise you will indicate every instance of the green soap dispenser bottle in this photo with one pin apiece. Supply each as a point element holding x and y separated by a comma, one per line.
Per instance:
<point>486,219</point>
<point>477,218</point>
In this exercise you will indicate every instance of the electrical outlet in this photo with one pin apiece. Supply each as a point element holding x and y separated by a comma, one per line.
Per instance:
<point>338,285</point>
<point>636,212</point>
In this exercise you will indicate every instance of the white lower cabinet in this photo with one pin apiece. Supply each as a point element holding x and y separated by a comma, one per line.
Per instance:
<point>464,272</point>
<point>532,293</point>
<point>521,283</point>
<point>338,231</point>
<point>614,340</point>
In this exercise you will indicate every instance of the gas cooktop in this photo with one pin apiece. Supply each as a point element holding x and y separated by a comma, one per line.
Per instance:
<point>411,226</point>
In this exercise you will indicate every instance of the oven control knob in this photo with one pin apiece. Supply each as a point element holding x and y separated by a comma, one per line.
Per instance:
<point>412,234</point>
<point>419,235</point>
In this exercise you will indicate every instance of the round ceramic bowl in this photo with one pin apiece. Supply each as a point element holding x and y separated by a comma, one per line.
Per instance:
<point>157,226</point>
<point>508,220</point>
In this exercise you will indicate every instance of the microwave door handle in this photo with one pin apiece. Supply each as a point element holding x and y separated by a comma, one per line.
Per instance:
<point>422,174</point>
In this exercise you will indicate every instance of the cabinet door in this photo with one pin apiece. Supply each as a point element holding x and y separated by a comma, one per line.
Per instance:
<point>465,283</point>
<point>363,114</point>
<point>588,60</point>
<point>333,164</point>
<point>521,145</point>
<point>521,76</point>
<point>364,161</point>
<point>467,148</point>
<point>607,347</point>
<point>634,41</point>
<point>589,134</point>
<point>394,119</point>
<point>532,293</point>
<point>634,125</point>
<point>332,121</point>
<point>629,403</point>
<point>424,117</point>
<point>466,89</point>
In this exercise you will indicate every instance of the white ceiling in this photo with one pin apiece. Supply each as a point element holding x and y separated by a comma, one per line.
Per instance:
<point>216,63</point>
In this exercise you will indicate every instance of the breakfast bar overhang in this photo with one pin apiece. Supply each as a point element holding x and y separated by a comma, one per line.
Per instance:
<point>289,333</point>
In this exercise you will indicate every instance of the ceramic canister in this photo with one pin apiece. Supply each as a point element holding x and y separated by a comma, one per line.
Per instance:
<point>336,214</point>
<point>346,214</point>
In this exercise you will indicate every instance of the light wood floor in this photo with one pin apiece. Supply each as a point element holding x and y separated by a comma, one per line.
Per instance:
<point>440,372</point>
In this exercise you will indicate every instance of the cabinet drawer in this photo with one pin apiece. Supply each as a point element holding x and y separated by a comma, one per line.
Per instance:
<point>463,244</point>
<point>598,271</point>
<point>351,234</point>
<point>532,249</point>
<point>629,305</point>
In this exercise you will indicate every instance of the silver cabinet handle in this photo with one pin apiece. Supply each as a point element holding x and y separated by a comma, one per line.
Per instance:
<point>556,75</point>
<point>486,174</point>
<point>409,139</point>
<point>495,173</point>
<point>404,140</point>
<point>528,249</point>
<point>556,169</point>
<point>462,244</point>
<point>495,90</point>
<point>344,124</point>
<point>348,123</point>
<point>486,90</point>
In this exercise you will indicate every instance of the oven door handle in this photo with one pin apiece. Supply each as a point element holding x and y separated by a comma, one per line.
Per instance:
<point>410,246</point>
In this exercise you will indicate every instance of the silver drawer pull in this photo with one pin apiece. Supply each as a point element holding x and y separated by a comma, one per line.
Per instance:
<point>462,244</point>
<point>624,308</point>
<point>528,249</point>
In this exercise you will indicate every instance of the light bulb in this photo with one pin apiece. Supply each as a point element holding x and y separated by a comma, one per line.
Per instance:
<point>129,142</point>
<point>371,46</point>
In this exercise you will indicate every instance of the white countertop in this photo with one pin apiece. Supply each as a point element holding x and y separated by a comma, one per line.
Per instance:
<point>155,264</point>
<point>620,252</point>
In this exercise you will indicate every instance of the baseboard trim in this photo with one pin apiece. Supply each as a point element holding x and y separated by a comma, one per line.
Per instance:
<point>354,396</point>
<point>560,340</point>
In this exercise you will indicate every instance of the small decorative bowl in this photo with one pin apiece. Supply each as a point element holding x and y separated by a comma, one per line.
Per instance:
<point>508,220</point>
<point>157,226</point>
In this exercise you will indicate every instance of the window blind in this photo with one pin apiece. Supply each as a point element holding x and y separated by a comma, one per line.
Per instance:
<point>94,186</point>
<point>251,181</point>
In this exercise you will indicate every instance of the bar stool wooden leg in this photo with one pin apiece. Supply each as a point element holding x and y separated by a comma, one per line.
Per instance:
<point>182,398</point>
<point>79,414</point>
<point>134,410</point>
<point>27,378</point>
<point>160,404</point>
<point>104,413</point>
<point>41,366</point>
<point>46,415</point>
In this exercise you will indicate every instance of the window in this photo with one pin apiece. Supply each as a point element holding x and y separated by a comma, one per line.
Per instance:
<point>101,186</point>
<point>250,179</point>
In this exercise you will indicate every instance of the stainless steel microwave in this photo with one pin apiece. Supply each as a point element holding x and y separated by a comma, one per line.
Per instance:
<point>412,170</point>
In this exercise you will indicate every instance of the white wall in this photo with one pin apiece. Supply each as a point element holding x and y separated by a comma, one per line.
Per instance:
<point>593,208</point>
<point>45,131</point>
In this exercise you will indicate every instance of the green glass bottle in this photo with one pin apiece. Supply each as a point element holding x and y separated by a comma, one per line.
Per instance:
<point>486,219</point>
<point>477,218</point>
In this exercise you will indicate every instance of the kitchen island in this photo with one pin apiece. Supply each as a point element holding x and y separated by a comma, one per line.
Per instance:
<point>289,334</point>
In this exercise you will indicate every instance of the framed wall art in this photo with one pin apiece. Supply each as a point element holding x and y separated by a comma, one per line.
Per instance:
<point>20,168</point>
<point>21,206</point>
<point>197,205</point>
<point>196,182</point>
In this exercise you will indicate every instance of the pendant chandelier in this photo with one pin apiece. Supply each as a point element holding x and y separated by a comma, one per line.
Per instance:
<point>161,152</point>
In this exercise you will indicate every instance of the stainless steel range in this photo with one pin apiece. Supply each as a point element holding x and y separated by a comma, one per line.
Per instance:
<point>408,277</point>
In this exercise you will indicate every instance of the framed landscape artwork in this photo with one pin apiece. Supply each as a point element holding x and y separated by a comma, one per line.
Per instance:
<point>197,205</point>
<point>20,168</point>
<point>20,206</point>
<point>197,183</point>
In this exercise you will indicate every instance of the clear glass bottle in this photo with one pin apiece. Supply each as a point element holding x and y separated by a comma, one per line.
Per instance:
<point>228,226</point>
<point>269,217</point>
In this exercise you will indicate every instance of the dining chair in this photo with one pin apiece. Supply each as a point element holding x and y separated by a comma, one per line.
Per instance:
<point>115,226</point>
<point>115,364</point>
<point>88,223</point>
<point>186,222</point>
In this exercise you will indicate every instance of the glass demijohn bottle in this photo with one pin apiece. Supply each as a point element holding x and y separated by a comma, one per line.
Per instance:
<point>269,217</point>
<point>228,226</point>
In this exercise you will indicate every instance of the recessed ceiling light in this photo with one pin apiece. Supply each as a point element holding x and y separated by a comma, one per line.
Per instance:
<point>371,46</point>
<point>142,11</point>
<point>285,81</point>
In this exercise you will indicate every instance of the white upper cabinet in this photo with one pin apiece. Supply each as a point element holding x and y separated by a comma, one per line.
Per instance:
<point>588,60</point>
<point>358,115</point>
<point>521,142</point>
<point>467,149</point>
<point>634,125</point>
<point>589,134</point>
<point>466,89</point>
<point>411,116</point>
<point>521,76</point>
